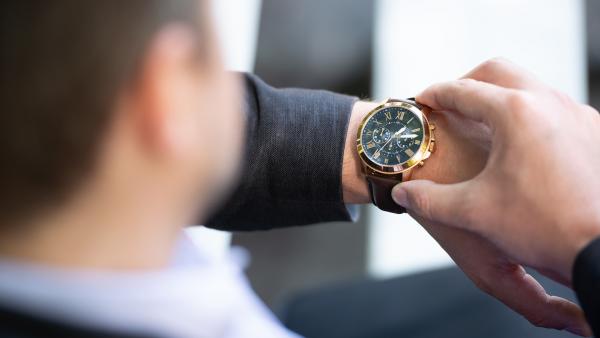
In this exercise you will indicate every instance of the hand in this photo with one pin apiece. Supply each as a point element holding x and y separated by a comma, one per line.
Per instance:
<point>538,198</point>
<point>462,154</point>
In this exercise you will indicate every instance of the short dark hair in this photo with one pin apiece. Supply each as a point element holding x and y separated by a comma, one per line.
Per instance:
<point>62,66</point>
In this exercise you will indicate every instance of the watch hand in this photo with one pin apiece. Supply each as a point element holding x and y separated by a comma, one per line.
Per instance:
<point>390,140</point>
<point>409,136</point>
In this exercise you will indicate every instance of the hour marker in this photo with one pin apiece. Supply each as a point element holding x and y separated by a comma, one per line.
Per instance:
<point>388,115</point>
<point>409,152</point>
<point>386,160</point>
<point>376,155</point>
<point>398,158</point>
<point>417,142</point>
<point>370,145</point>
<point>369,133</point>
<point>401,115</point>
<point>416,130</point>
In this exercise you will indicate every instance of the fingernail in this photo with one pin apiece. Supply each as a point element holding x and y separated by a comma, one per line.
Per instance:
<point>400,196</point>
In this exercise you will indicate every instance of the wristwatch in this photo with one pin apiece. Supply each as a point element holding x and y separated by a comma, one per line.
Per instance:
<point>393,138</point>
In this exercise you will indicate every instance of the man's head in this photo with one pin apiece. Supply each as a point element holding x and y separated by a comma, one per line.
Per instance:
<point>127,98</point>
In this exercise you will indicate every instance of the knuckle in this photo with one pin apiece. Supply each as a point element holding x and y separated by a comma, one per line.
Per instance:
<point>436,91</point>
<point>466,82</point>
<point>562,98</point>
<point>536,320</point>
<point>466,85</point>
<point>470,212</point>
<point>494,64</point>
<point>483,285</point>
<point>421,203</point>
<point>518,100</point>
<point>545,321</point>
<point>520,104</point>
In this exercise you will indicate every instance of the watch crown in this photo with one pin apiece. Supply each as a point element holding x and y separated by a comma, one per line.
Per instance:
<point>422,163</point>
<point>432,146</point>
<point>431,126</point>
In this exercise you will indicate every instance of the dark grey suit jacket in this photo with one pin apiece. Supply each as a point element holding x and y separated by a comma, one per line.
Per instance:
<point>293,160</point>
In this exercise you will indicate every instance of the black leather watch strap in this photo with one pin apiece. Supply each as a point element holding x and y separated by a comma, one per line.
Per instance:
<point>380,190</point>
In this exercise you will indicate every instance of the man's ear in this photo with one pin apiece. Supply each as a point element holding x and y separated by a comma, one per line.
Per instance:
<point>163,92</point>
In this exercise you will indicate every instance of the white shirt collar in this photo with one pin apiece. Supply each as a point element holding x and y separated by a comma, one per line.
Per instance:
<point>198,296</point>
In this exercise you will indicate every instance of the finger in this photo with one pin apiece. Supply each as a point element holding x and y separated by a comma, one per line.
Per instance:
<point>432,201</point>
<point>513,286</point>
<point>504,73</point>
<point>476,100</point>
<point>495,274</point>
<point>555,276</point>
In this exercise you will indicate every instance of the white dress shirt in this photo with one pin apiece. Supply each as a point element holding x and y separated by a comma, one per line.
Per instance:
<point>197,296</point>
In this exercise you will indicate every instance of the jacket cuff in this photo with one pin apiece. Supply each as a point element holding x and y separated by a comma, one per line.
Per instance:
<point>586,283</point>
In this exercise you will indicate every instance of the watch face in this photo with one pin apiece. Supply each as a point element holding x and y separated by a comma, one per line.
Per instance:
<point>392,136</point>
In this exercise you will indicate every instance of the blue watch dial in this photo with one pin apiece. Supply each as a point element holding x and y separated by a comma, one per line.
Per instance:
<point>392,136</point>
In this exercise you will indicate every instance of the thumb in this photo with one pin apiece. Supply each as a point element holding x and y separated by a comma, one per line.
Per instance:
<point>432,201</point>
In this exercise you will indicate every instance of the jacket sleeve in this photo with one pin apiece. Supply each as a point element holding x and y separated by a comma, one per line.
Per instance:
<point>586,282</point>
<point>291,173</point>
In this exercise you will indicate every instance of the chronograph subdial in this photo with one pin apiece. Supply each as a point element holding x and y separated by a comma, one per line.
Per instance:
<point>381,135</point>
<point>389,147</point>
<point>406,140</point>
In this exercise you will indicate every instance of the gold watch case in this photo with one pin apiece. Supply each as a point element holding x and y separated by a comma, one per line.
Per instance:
<point>418,159</point>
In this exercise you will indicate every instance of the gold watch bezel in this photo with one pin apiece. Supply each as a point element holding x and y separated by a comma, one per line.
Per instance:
<point>418,158</point>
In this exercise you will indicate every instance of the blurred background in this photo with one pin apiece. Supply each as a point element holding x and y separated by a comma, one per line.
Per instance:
<point>313,277</point>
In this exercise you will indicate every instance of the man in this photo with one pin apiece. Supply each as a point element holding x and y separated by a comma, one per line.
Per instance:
<point>538,198</point>
<point>120,127</point>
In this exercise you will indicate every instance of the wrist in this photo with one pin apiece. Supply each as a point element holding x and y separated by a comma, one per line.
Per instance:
<point>354,185</point>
